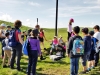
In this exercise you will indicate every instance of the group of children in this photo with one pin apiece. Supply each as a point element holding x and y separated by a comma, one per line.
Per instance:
<point>91,45</point>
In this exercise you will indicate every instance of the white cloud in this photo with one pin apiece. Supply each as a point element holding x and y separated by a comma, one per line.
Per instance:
<point>34,4</point>
<point>6,17</point>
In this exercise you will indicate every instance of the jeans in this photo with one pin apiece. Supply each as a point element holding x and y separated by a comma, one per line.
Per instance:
<point>33,56</point>
<point>74,66</point>
<point>96,57</point>
<point>16,51</point>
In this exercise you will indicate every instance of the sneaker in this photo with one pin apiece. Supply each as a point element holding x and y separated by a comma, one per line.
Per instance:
<point>89,69</point>
<point>92,67</point>
<point>4,66</point>
<point>83,72</point>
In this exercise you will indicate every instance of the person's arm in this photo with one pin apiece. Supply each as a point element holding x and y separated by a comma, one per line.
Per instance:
<point>1,34</point>
<point>20,39</point>
<point>85,44</point>
<point>38,46</point>
<point>70,45</point>
<point>44,36</point>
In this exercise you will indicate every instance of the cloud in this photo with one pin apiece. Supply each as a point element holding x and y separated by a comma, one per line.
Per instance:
<point>91,1</point>
<point>34,4</point>
<point>74,11</point>
<point>6,17</point>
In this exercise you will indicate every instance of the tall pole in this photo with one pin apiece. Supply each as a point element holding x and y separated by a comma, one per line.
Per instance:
<point>37,21</point>
<point>56,18</point>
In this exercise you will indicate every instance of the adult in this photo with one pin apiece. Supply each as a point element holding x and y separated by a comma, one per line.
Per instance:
<point>97,36</point>
<point>69,29</point>
<point>2,35</point>
<point>17,50</point>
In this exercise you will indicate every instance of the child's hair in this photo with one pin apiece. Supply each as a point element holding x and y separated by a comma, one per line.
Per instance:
<point>91,33</point>
<point>7,34</point>
<point>34,32</point>
<point>96,27</point>
<point>41,29</point>
<point>85,30</point>
<point>76,29</point>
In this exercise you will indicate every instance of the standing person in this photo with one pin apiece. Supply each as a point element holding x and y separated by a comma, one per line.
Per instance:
<point>42,37</point>
<point>7,50</point>
<point>69,29</point>
<point>97,36</point>
<point>74,59</point>
<point>37,28</point>
<point>87,49</point>
<point>17,49</point>
<point>93,51</point>
<point>33,52</point>
<point>2,36</point>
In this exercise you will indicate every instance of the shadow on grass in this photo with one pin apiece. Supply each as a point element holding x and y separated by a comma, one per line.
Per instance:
<point>55,62</point>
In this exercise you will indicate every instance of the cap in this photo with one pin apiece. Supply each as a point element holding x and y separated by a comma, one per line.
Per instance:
<point>4,25</point>
<point>72,20</point>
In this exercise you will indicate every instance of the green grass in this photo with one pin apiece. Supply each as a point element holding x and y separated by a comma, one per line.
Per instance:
<point>47,67</point>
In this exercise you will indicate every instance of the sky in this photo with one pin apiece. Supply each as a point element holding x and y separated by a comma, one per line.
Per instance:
<point>86,13</point>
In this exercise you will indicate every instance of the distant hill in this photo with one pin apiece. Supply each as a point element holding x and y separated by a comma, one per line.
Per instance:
<point>23,28</point>
<point>26,27</point>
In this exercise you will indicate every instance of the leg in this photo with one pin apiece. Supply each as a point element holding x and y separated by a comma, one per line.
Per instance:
<point>96,58</point>
<point>76,65</point>
<point>4,59</point>
<point>84,60</point>
<point>18,54</point>
<point>69,35</point>
<point>29,65</point>
<point>34,61</point>
<point>9,56</point>
<point>13,58</point>
<point>72,66</point>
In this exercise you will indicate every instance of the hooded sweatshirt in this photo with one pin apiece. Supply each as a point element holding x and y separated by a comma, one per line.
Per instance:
<point>87,44</point>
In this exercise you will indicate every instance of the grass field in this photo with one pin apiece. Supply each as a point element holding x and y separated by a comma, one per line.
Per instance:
<point>48,67</point>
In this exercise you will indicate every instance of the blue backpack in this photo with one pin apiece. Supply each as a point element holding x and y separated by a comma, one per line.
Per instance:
<point>78,47</point>
<point>24,47</point>
<point>12,39</point>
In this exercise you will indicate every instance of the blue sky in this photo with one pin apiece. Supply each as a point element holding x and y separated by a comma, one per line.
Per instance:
<point>86,13</point>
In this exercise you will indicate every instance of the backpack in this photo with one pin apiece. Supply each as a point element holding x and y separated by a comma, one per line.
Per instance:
<point>78,47</point>
<point>12,39</point>
<point>24,47</point>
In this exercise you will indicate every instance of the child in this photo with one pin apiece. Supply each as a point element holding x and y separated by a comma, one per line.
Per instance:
<point>33,52</point>
<point>54,45</point>
<point>69,29</point>
<point>87,49</point>
<point>74,59</point>
<point>97,36</point>
<point>42,37</point>
<point>7,50</point>
<point>92,54</point>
